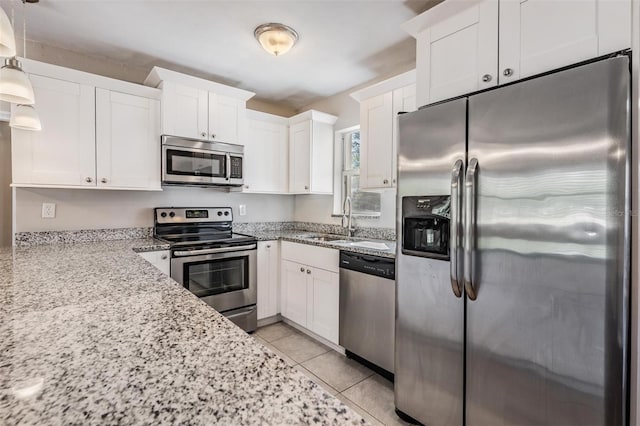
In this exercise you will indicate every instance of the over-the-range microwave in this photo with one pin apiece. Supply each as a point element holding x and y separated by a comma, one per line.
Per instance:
<point>203,163</point>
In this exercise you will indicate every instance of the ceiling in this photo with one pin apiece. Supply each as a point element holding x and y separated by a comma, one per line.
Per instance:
<point>343,43</point>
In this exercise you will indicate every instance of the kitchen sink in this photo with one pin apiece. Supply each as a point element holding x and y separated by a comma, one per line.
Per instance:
<point>326,238</point>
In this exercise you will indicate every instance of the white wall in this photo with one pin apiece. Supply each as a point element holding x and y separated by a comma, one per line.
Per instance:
<point>94,209</point>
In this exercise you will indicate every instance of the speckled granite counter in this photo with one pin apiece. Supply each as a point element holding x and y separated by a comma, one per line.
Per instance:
<point>93,334</point>
<point>301,237</point>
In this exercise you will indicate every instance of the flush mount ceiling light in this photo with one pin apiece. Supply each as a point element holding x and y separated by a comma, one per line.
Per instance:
<point>276,39</point>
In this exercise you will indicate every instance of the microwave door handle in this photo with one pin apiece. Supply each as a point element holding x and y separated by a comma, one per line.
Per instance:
<point>228,176</point>
<point>470,286</point>
<point>456,225</point>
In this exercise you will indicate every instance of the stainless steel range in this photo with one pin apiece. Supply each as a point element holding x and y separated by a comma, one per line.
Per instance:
<point>211,261</point>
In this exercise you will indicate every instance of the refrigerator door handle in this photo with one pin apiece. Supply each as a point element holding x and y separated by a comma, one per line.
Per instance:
<point>470,228</point>
<point>456,225</point>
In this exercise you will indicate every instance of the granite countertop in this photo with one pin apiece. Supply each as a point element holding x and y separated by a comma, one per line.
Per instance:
<point>303,237</point>
<point>91,333</point>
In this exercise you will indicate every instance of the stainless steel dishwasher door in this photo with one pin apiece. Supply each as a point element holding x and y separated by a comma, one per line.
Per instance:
<point>367,317</point>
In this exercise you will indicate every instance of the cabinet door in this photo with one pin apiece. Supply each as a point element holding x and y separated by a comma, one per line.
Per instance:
<point>294,292</point>
<point>376,139</point>
<point>184,111</point>
<point>268,279</point>
<point>159,259</point>
<point>542,35</point>
<point>404,100</point>
<point>226,118</point>
<point>326,304</point>
<point>266,157</point>
<point>300,157</point>
<point>63,153</point>
<point>127,140</point>
<point>458,55</point>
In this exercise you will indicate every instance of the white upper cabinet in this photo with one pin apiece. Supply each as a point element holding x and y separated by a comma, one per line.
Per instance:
<point>184,111</point>
<point>63,152</point>
<point>380,105</point>
<point>266,154</point>
<point>226,118</point>
<point>541,35</point>
<point>127,140</point>
<point>469,45</point>
<point>458,55</point>
<point>96,133</point>
<point>200,109</point>
<point>311,140</point>
<point>376,128</point>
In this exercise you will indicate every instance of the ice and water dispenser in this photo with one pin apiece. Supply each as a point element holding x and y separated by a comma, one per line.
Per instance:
<point>425,226</point>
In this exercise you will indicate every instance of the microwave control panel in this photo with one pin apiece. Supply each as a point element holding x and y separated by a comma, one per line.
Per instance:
<point>236,167</point>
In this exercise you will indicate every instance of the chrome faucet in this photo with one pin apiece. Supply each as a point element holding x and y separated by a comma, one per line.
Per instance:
<point>350,228</point>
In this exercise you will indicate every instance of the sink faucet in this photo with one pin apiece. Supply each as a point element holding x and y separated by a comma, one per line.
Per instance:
<point>350,227</point>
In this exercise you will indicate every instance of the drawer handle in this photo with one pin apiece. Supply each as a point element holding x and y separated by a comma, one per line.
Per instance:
<point>308,271</point>
<point>508,72</point>
<point>301,269</point>
<point>486,78</point>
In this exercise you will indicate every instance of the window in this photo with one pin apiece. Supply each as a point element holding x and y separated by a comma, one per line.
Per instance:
<point>362,203</point>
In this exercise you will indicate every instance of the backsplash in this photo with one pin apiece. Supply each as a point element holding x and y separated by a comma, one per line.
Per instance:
<point>25,239</point>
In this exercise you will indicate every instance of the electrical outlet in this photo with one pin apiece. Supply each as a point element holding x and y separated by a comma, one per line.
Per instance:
<point>48,210</point>
<point>243,209</point>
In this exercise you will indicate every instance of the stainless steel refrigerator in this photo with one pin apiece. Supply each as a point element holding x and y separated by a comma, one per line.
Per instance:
<point>513,253</point>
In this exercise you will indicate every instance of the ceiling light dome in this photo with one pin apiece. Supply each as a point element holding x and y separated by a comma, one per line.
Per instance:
<point>276,39</point>
<point>15,86</point>
<point>7,38</point>
<point>25,117</point>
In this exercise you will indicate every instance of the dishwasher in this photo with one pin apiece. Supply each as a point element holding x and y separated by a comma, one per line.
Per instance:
<point>367,309</point>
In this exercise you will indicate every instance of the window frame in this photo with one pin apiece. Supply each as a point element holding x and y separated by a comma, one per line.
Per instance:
<point>343,176</point>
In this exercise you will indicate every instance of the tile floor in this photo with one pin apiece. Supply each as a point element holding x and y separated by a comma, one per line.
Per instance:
<point>368,393</point>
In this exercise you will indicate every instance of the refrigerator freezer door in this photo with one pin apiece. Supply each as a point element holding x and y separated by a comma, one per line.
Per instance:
<point>547,334</point>
<point>430,318</point>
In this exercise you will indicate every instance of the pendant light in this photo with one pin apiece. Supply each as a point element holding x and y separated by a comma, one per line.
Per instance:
<point>7,38</point>
<point>24,116</point>
<point>15,86</point>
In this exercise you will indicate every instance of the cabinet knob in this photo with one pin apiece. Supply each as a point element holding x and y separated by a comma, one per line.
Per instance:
<point>269,246</point>
<point>308,271</point>
<point>203,134</point>
<point>306,187</point>
<point>213,135</point>
<point>486,78</point>
<point>508,72</point>
<point>164,257</point>
<point>103,180</point>
<point>88,180</point>
<point>386,181</point>
<point>246,186</point>
<point>301,269</point>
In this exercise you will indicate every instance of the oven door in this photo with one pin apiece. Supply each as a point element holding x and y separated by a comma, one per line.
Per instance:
<point>225,278</point>
<point>194,166</point>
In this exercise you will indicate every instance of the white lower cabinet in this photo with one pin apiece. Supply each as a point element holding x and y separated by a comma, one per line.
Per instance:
<point>159,259</point>
<point>310,288</point>
<point>268,279</point>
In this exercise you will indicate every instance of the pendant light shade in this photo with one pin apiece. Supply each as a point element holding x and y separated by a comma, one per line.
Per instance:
<point>7,37</point>
<point>276,39</point>
<point>15,86</point>
<point>25,117</point>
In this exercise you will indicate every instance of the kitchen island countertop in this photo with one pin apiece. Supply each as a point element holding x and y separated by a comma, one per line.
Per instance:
<point>91,333</point>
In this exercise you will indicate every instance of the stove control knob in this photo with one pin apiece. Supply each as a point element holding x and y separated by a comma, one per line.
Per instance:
<point>219,213</point>
<point>172,214</point>
<point>163,214</point>
<point>226,213</point>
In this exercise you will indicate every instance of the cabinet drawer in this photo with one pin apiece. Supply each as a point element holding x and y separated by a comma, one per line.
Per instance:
<point>318,257</point>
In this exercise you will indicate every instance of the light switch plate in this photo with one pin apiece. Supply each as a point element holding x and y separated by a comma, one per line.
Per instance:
<point>243,209</point>
<point>48,210</point>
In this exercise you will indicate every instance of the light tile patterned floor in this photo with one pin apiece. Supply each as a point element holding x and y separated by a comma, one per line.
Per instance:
<point>368,393</point>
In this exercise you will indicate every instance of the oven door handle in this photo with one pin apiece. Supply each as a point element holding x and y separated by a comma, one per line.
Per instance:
<point>214,250</point>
